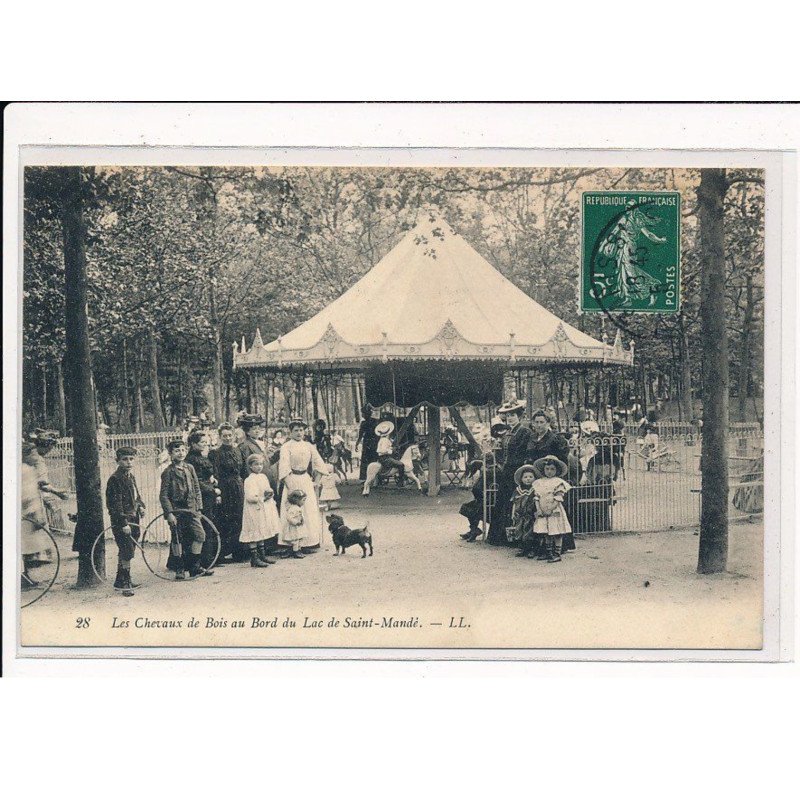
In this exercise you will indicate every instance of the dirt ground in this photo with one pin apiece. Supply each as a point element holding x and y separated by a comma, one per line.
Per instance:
<point>425,587</point>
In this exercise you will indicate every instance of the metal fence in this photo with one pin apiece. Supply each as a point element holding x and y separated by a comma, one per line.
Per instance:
<point>626,483</point>
<point>620,483</point>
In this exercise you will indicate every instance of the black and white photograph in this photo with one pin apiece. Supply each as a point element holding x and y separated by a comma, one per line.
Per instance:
<point>366,402</point>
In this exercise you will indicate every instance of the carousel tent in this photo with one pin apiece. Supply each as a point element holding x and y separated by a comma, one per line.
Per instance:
<point>432,297</point>
<point>431,324</point>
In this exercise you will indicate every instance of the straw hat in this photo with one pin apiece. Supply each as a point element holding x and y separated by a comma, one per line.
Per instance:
<point>539,465</point>
<point>523,469</point>
<point>384,428</point>
<point>512,407</point>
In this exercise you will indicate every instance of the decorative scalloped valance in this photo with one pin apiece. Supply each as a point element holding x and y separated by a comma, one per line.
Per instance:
<point>405,310</point>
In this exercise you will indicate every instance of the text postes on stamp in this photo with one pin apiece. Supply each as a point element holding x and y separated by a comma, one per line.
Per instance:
<point>630,259</point>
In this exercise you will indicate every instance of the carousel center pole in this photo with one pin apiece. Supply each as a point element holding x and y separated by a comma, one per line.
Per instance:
<point>434,450</point>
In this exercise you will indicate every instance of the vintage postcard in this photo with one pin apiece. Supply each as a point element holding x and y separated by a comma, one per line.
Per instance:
<point>278,402</point>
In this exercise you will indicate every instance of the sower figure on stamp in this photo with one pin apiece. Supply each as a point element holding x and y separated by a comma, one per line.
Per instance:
<point>182,502</point>
<point>228,466</point>
<point>125,508</point>
<point>514,447</point>
<point>212,495</point>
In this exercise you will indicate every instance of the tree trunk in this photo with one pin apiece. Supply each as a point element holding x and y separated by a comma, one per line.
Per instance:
<point>125,404</point>
<point>314,398</point>
<point>61,405</point>
<point>216,372</point>
<point>102,400</point>
<point>227,397</point>
<point>79,384</point>
<point>354,395</point>
<point>713,555</point>
<point>686,373</point>
<point>159,424</point>
<point>44,394</point>
<point>744,351</point>
<point>179,387</point>
<point>138,404</point>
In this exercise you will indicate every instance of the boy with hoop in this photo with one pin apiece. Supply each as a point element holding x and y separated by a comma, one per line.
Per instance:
<point>126,508</point>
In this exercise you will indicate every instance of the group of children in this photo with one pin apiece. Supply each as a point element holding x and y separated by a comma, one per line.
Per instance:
<point>181,500</point>
<point>539,524</point>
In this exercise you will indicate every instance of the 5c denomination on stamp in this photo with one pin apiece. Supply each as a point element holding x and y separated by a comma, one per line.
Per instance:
<point>630,255</point>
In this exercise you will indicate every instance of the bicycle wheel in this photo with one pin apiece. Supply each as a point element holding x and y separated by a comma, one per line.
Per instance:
<point>39,575</point>
<point>107,536</point>
<point>156,544</point>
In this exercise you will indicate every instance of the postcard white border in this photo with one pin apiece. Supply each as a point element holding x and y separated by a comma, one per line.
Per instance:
<point>453,135</point>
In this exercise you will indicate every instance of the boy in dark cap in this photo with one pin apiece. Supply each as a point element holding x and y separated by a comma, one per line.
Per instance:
<point>125,507</point>
<point>182,502</point>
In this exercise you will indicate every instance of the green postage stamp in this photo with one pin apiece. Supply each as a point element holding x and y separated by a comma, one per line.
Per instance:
<point>630,253</point>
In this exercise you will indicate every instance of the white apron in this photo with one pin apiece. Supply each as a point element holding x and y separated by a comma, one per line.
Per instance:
<point>292,471</point>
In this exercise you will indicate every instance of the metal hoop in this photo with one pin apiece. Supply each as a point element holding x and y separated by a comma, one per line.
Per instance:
<point>203,517</point>
<point>47,588</point>
<point>94,548</point>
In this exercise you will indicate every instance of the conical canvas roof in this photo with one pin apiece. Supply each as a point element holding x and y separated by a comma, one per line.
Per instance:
<point>432,296</point>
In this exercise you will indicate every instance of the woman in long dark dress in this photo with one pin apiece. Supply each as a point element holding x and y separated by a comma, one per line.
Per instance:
<point>368,440</point>
<point>514,446</point>
<point>227,462</point>
<point>198,457</point>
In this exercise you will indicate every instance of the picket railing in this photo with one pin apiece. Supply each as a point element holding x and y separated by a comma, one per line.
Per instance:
<point>631,486</point>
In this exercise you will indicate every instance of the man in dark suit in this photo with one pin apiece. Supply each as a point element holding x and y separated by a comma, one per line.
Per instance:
<point>182,502</point>
<point>514,447</point>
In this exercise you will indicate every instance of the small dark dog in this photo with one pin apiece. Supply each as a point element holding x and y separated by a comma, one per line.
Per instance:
<point>345,537</point>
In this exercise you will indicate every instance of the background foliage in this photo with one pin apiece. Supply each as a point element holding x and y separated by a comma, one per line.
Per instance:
<point>185,261</point>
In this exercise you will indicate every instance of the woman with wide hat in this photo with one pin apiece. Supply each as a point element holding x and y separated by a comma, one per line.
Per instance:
<point>252,426</point>
<point>513,448</point>
<point>44,441</point>
<point>297,457</point>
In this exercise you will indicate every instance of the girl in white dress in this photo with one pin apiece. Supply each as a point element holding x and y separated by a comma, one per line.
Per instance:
<point>551,519</point>
<point>329,496</point>
<point>260,520</point>
<point>296,457</point>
